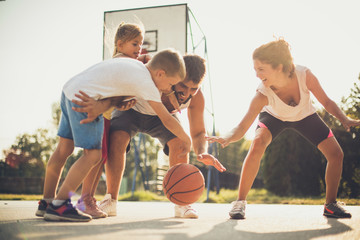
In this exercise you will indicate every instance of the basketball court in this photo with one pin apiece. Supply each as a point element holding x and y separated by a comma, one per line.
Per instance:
<point>154,220</point>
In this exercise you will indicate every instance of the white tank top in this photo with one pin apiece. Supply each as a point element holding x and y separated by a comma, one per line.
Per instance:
<point>283,111</point>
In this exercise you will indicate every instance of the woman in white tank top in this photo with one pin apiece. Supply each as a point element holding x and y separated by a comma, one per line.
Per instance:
<point>282,100</point>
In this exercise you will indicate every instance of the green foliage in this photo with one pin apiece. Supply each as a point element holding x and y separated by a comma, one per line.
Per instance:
<point>232,156</point>
<point>148,150</point>
<point>141,196</point>
<point>70,161</point>
<point>56,113</point>
<point>256,196</point>
<point>292,166</point>
<point>352,103</point>
<point>28,155</point>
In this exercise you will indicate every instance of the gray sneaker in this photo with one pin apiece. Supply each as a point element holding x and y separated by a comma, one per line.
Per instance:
<point>65,212</point>
<point>238,209</point>
<point>335,210</point>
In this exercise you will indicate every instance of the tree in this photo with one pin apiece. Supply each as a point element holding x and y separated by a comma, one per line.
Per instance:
<point>292,166</point>
<point>151,148</point>
<point>350,142</point>
<point>28,155</point>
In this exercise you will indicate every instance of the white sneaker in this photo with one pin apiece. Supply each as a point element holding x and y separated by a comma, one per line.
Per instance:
<point>185,212</point>
<point>108,205</point>
<point>238,209</point>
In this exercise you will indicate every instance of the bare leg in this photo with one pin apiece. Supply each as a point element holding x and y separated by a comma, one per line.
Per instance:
<point>251,163</point>
<point>100,168</point>
<point>174,151</point>
<point>78,172</point>
<point>115,165</point>
<point>92,180</point>
<point>55,166</point>
<point>334,156</point>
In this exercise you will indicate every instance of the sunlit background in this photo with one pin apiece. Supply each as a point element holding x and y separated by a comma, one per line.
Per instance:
<point>43,43</point>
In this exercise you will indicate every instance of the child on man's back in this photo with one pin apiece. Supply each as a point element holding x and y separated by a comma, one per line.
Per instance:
<point>110,78</point>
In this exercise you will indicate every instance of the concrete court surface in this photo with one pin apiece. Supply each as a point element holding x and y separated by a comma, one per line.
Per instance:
<point>154,220</point>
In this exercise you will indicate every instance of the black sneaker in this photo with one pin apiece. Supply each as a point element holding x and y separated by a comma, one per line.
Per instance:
<point>65,212</point>
<point>335,210</point>
<point>41,208</point>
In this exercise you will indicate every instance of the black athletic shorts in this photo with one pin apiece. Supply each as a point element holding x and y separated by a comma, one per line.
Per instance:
<point>132,122</point>
<point>312,127</point>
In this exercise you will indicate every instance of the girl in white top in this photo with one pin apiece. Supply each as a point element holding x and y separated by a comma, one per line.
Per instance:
<point>282,100</point>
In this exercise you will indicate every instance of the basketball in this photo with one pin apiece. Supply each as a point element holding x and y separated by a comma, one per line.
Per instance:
<point>183,184</point>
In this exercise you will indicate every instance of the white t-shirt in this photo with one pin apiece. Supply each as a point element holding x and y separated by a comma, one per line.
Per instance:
<point>283,111</point>
<point>114,77</point>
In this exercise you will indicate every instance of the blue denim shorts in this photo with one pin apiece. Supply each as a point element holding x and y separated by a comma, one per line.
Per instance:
<point>87,136</point>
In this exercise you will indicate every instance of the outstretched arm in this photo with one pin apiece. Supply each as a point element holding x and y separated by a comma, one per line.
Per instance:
<point>257,103</point>
<point>330,106</point>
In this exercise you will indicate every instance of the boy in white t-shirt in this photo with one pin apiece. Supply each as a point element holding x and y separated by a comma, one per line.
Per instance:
<point>116,80</point>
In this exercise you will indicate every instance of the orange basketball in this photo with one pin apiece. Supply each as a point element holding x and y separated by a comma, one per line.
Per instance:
<point>183,184</point>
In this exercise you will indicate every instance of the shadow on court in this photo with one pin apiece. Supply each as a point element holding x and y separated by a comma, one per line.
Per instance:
<point>213,225</point>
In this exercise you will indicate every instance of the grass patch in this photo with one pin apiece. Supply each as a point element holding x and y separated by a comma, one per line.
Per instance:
<point>141,196</point>
<point>255,196</point>
<point>27,197</point>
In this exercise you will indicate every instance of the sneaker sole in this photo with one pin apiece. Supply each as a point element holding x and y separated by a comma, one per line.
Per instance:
<point>329,215</point>
<point>52,217</point>
<point>111,214</point>
<point>40,213</point>
<point>97,216</point>
<point>193,217</point>
<point>236,216</point>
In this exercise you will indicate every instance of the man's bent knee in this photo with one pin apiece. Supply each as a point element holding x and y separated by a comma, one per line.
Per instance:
<point>119,140</point>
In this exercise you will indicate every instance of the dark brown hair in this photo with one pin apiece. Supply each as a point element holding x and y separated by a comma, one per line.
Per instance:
<point>195,68</point>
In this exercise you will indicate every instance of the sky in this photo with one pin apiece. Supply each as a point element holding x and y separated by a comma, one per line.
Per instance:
<point>43,43</point>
